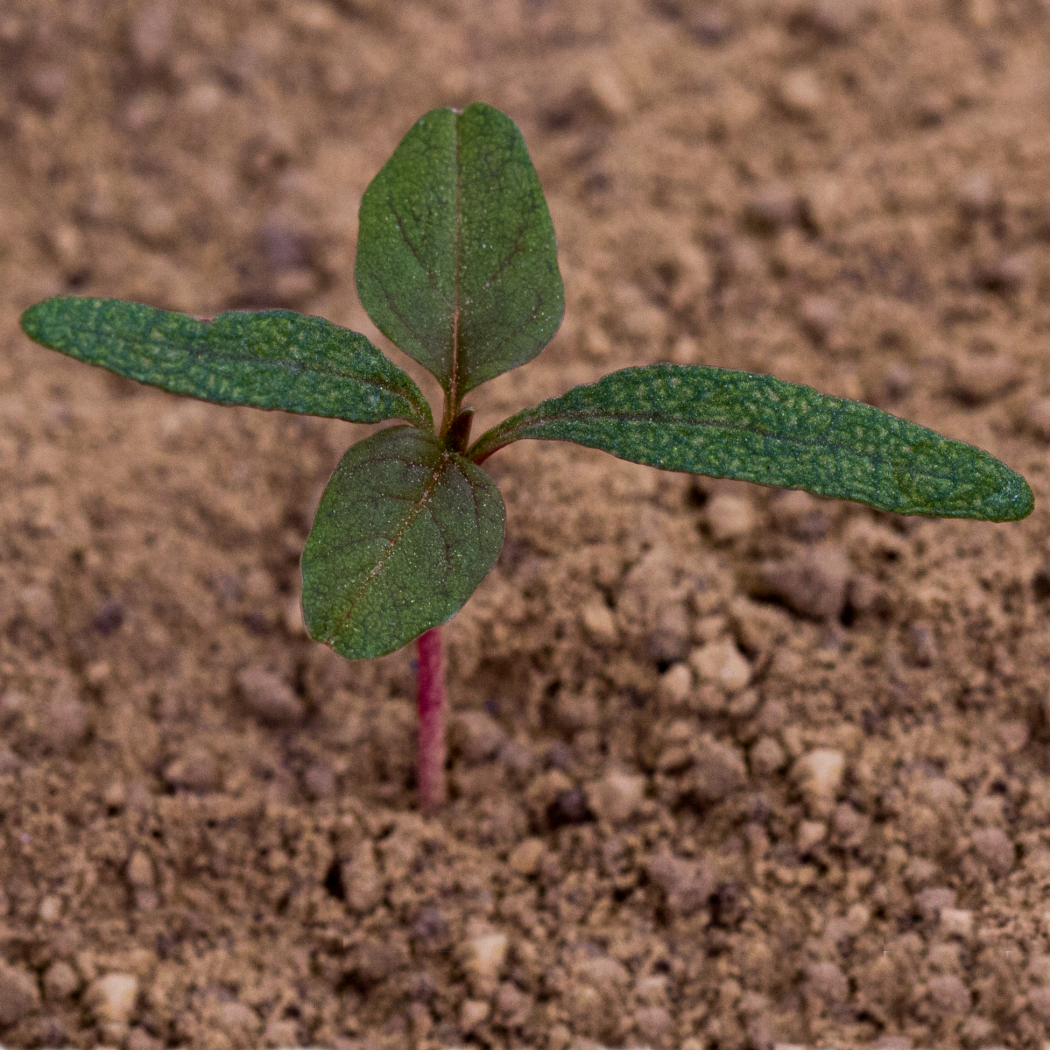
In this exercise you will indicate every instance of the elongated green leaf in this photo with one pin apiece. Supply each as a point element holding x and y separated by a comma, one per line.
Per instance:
<point>456,257</point>
<point>269,359</point>
<point>756,428</point>
<point>405,532</point>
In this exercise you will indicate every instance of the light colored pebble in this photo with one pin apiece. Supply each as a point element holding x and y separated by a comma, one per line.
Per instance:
<point>196,770</point>
<point>721,663</point>
<point>616,797</point>
<point>819,774</point>
<point>1039,1001</point>
<point>729,517</point>
<point>140,870</point>
<point>827,981</point>
<point>477,736</point>
<point>676,683</point>
<point>653,1023</point>
<point>527,856</point>
<point>931,902</point>
<point>812,583</point>
<point>472,1013</point>
<point>719,770</point>
<point>607,90</point>
<point>599,623</point>
<point>800,94</point>
<point>771,207</point>
<point>767,757</point>
<point>995,848</point>
<point>111,998</point>
<point>1037,418</point>
<point>484,957</point>
<point>979,378</point>
<point>269,697</point>
<point>60,981</point>
<point>687,884</point>
<point>65,725</point>
<point>819,317</point>
<point>19,995</point>
<point>956,922</point>
<point>810,833</point>
<point>949,994</point>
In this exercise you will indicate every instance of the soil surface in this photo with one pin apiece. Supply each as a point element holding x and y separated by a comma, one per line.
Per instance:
<point>731,767</point>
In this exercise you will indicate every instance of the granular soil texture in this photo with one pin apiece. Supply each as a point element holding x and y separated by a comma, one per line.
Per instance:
<point>731,767</point>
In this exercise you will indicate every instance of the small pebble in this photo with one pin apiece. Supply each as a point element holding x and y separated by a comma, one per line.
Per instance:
<point>956,922</point>
<point>269,697</point>
<point>979,378</point>
<point>949,994</point>
<point>819,317</point>
<point>599,623</point>
<point>819,775</point>
<point>1037,418</point>
<point>729,517</point>
<point>477,736</point>
<point>112,998</point>
<point>140,870</point>
<point>152,32</point>
<point>1039,1001</point>
<point>687,884</point>
<point>653,1023</point>
<point>976,196</point>
<point>616,797</point>
<point>771,208</point>
<point>676,683</point>
<point>606,90</point>
<point>995,848</point>
<point>65,725</point>
<point>196,770</point>
<point>1008,274</point>
<point>767,757</point>
<point>484,958</point>
<point>931,902</point>
<point>828,982</point>
<point>472,1013</point>
<point>718,771</point>
<point>721,664</point>
<point>835,20</point>
<point>19,995</point>
<point>60,981</point>
<point>810,833</point>
<point>527,856</point>
<point>813,584</point>
<point>800,94</point>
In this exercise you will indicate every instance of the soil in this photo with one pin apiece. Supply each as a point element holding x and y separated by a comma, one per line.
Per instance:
<point>731,767</point>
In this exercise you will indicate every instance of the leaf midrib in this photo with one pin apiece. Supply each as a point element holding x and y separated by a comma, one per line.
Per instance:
<point>366,581</point>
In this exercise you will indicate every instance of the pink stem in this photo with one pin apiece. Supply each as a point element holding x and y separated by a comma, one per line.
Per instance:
<point>430,761</point>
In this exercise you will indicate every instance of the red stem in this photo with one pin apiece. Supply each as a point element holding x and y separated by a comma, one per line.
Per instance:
<point>430,761</point>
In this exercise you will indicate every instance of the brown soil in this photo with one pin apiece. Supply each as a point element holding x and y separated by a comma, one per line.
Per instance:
<point>731,767</point>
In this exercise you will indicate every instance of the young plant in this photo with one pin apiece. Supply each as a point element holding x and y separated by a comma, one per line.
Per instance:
<point>457,265</point>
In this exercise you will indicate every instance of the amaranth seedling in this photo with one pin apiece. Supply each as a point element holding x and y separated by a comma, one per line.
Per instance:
<point>457,265</point>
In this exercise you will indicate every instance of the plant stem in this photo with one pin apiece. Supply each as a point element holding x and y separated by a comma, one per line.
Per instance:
<point>430,761</point>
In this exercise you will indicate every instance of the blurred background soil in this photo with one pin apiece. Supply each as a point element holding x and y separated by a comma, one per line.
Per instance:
<point>731,767</point>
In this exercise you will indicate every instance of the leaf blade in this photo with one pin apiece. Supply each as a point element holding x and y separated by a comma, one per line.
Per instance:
<point>274,359</point>
<point>405,532</point>
<point>757,428</point>
<point>457,259</point>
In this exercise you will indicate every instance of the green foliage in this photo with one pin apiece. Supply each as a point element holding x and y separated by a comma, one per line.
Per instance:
<point>456,258</point>
<point>756,428</point>
<point>269,359</point>
<point>405,532</point>
<point>457,265</point>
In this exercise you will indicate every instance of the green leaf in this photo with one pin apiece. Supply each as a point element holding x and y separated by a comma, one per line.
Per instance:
<point>405,532</point>
<point>756,428</point>
<point>268,359</point>
<point>456,257</point>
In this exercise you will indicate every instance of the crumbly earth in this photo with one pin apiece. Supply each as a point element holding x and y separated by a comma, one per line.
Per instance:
<point>731,767</point>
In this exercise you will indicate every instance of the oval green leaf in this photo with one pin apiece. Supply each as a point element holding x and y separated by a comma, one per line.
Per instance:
<point>729,424</point>
<point>405,532</point>
<point>267,359</point>
<point>456,257</point>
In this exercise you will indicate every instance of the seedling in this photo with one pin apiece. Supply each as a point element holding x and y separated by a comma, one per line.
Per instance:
<point>457,265</point>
